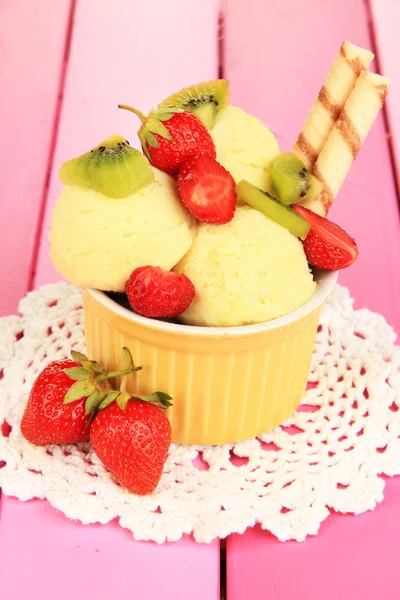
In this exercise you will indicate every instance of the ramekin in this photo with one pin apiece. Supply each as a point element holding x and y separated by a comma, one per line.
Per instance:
<point>227,383</point>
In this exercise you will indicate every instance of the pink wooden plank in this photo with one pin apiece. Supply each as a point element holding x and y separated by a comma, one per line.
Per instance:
<point>385,15</point>
<point>351,559</point>
<point>276,69</point>
<point>137,54</point>
<point>134,52</point>
<point>277,55</point>
<point>43,555</point>
<point>32,45</point>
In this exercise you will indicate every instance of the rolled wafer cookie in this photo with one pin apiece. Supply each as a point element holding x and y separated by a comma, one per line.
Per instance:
<point>347,136</point>
<point>338,85</point>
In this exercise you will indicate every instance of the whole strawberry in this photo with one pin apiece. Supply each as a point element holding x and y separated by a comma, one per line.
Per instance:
<point>170,137</point>
<point>159,294</point>
<point>47,420</point>
<point>327,245</point>
<point>132,437</point>
<point>63,399</point>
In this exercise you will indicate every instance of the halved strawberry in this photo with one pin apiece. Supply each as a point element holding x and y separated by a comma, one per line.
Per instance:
<point>327,245</point>
<point>207,190</point>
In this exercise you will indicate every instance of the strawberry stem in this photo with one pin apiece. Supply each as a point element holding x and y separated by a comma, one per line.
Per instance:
<point>116,374</point>
<point>128,358</point>
<point>134,110</point>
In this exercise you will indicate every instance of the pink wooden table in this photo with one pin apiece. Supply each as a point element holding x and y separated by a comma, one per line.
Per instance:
<point>64,66</point>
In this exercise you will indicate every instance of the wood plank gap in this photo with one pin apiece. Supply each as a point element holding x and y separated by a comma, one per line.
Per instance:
<point>222,570</point>
<point>375,50</point>
<point>221,44</point>
<point>53,144</point>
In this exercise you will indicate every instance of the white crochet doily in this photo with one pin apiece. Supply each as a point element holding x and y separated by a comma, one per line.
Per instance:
<point>330,455</point>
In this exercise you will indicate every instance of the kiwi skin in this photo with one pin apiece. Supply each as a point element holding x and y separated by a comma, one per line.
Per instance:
<point>204,100</point>
<point>291,180</point>
<point>112,168</point>
<point>272,208</point>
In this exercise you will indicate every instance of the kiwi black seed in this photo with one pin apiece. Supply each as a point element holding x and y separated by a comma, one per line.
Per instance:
<point>204,100</point>
<point>291,180</point>
<point>112,168</point>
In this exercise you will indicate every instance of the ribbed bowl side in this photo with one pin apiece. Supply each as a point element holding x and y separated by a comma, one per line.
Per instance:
<point>221,393</point>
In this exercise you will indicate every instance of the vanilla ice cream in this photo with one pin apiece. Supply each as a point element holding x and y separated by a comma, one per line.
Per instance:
<point>247,271</point>
<point>97,241</point>
<point>244,146</point>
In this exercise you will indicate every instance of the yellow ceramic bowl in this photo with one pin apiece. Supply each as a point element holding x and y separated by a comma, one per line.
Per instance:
<point>227,384</point>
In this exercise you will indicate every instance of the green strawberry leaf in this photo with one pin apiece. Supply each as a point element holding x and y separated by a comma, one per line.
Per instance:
<point>92,402</point>
<point>89,365</point>
<point>109,399</point>
<point>155,126</point>
<point>80,389</point>
<point>151,139</point>
<point>123,399</point>
<point>145,148</point>
<point>78,356</point>
<point>96,367</point>
<point>160,399</point>
<point>169,109</point>
<point>77,373</point>
<point>165,116</point>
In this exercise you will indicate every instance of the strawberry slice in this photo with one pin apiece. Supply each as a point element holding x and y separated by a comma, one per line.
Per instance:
<point>159,294</point>
<point>207,190</point>
<point>327,245</point>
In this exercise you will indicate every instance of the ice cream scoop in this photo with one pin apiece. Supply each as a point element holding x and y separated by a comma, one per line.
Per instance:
<point>97,241</point>
<point>247,271</point>
<point>244,146</point>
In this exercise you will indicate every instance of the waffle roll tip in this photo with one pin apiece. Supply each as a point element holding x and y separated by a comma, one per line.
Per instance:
<point>338,85</point>
<point>339,121</point>
<point>350,130</point>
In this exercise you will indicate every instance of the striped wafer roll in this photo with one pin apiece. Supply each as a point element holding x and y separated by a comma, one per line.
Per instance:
<point>348,134</point>
<point>346,68</point>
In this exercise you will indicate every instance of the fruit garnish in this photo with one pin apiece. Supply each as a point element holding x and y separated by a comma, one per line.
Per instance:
<point>64,399</point>
<point>204,100</point>
<point>207,190</point>
<point>169,137</point>
<point>112,168</point>
<point>131,435</point>
<point>272,208</point>
<point>159,294</point>
<point>327,245</point>
<point>291,180</point>
<point>133,441</point>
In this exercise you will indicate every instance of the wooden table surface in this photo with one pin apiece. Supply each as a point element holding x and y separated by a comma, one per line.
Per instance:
<point>64,67</point>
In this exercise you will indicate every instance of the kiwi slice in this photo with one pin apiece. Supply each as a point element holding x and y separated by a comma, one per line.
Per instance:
<point>204,100</point>
<point>291,180</point>
<point>113,168</point>
<point>272,208</point>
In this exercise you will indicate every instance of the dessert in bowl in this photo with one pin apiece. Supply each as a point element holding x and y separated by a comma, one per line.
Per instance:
<point>227,383</point>
<point>221,245</point>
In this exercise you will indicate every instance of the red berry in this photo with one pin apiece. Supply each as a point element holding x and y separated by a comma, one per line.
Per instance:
<point>47,420</point>
<point>132,443</point>
<point>169,139</point>
<point>207,190</point>
<point>327,245</point>
<point>154,292</point>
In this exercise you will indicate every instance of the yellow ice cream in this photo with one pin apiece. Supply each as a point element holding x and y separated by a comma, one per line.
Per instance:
<point>97,241</point>
<point>244,146</point>
<point>247,271</point>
